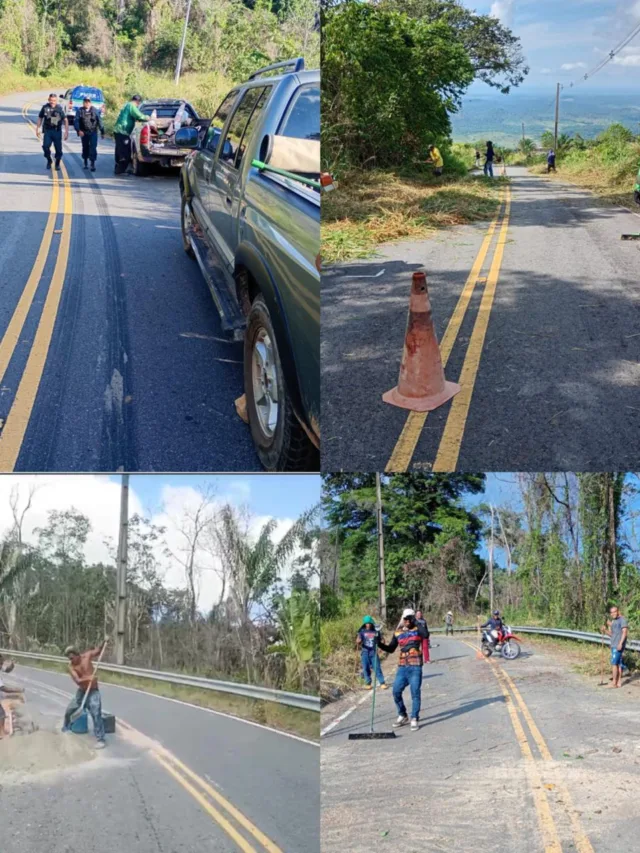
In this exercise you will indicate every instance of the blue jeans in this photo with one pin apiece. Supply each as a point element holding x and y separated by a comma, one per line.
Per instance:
<point>488,168</point>
<point>52,137</point>
<point>89,146</point>
<point>370,663</point>
<point>410,676</point>
<point>93,705</point>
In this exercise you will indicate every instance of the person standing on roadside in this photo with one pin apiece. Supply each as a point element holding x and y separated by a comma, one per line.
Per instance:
<point>617,629</point>
<point>448,623</point>
<point>435,157</point>
<point>408,637</point>
<point>551,161</point>
<point>488,160</point>
<point>425,643</point>
<point>367,640</point>
<point>87,124</point>
<point>52,118</point>
<point>122,130</point>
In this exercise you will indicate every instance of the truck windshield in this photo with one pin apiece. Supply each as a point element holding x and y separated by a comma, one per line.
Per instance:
<point>302,120</point>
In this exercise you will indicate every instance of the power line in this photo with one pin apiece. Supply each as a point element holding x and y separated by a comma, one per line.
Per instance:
<point>612,53</point>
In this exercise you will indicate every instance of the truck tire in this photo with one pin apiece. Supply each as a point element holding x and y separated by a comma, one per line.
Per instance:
<point>140,170</point>
<point>280,441</point>
<point>186,243</point>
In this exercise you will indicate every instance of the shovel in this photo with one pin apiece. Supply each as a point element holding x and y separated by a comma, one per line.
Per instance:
<point>81,711</point>
<point>371,735</point>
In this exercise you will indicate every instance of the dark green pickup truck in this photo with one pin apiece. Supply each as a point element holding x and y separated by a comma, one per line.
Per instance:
<point>255,231</point>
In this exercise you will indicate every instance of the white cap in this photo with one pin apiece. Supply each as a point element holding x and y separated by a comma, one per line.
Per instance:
<point>407,612</point>
<point>449,613</point>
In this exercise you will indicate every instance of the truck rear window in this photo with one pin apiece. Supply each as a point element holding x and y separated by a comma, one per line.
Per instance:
<point>302,120</point>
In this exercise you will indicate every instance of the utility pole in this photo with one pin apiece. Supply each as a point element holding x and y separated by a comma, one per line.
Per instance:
<point>555,132</point>
<point>121,599</point>
<point>523,131</point>
<point>182,44</point>
<point>491,563</point>
<point>382,587</point>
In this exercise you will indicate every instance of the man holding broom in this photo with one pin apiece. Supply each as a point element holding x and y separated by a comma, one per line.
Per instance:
<point>81,670</point>
<point>617,629</point>
<point>409,637</point>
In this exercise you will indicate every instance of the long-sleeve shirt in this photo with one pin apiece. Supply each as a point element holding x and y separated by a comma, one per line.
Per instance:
<point>128,117</point>
<point>493,624</point>
<point>410,642</point>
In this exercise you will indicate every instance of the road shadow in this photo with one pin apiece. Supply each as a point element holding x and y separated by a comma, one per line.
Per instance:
<point>465,708</point>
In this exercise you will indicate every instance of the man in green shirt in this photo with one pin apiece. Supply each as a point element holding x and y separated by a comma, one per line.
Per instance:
<point>127,119</point>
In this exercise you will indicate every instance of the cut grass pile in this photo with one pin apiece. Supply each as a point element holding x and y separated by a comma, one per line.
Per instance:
<point>370,208</point>
<point>294,720</point>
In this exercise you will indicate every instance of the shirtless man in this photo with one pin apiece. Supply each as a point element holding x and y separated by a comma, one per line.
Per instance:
<point>82,671</point>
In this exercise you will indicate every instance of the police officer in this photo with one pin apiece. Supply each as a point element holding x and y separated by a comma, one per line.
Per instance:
<point>87,123</point>
<point>51,118</point>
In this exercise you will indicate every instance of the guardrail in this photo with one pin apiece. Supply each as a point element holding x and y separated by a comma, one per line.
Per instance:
<point>564,633</point>
<point>249,691</point>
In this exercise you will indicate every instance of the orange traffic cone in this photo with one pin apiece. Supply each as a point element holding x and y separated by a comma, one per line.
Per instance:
<point>421,386</point>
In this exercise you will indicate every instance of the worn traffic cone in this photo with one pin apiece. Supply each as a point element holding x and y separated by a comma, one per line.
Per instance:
<point>421,386</point>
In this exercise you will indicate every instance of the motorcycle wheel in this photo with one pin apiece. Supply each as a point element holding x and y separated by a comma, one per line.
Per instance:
<point>487,651</point>
<point>510,650</point>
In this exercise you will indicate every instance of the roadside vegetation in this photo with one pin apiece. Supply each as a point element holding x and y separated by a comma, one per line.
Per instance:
<point>132,46</point>
<point>558,554</point>
<point>393,73</point>
<point>606,165</point>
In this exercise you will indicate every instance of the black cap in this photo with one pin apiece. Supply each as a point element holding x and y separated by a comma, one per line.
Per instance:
<point>136,98</point>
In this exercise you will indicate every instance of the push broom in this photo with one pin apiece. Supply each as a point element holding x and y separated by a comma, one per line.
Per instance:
<point>371,734</point>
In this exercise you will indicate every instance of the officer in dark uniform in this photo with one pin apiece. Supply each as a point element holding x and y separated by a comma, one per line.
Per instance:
<point>87,124</point>
<point>51,119</point>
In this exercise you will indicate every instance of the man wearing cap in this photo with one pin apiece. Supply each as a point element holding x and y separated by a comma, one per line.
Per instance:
<point>82,671</point>
<point>494,626</point>
<point>52,118</point>
<point>367,640</point>
<point>408,636</point>
<point>87,124</point>
<point>127,119</point>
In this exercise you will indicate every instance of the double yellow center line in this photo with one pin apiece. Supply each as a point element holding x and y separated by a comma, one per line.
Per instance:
<point>449,449</point>
<point>231,820</point>
<point>19,415</point>
<point>538,770</point>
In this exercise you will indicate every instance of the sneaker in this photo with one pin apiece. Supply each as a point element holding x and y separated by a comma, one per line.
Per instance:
<point>367,687</point>
<point>65,729</point>
<point>48,164</point>
<point>100,745</point>
<point>93,167</point>
<point>401,721</point>
<point>414,726</point>
<point>384,687</point>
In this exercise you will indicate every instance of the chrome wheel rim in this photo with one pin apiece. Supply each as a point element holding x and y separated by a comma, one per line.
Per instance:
<point>265,382</point>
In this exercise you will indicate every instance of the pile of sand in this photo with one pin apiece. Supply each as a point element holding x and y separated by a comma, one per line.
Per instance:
<point>40,752</point>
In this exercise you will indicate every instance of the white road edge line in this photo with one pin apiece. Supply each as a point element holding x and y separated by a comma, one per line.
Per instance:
<point>344,716</point>
<point>189,705</point>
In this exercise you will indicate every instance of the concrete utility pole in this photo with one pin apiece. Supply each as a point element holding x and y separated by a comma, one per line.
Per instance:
<point>491,562</point>
<point>182,44</point>
<point>555,132</point>
<point>382,585</point>
<point>523,131</point>
<point>121,599</point>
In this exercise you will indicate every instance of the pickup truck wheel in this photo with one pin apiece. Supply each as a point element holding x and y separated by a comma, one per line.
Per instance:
<point>187,224</point>
<point>141,170</point>
<point>281,442</point>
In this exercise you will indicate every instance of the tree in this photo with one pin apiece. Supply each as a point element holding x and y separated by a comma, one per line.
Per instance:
<point>526,146</point>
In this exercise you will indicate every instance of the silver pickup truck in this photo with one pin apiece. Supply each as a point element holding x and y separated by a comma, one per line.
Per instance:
<point>254,229</point>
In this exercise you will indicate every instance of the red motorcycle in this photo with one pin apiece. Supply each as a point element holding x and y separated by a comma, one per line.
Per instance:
<point>506,644</point>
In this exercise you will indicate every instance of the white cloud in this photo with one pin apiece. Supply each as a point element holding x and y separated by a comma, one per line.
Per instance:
<point>571,66</point>
<point>98,498</point>
<point>503,10</point>
<point>545,71</point>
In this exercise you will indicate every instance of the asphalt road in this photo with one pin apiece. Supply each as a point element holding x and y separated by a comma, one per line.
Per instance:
<point>555,767</point>
<point>549,362</point>
<point>168,782</point>
<point>121,362</point>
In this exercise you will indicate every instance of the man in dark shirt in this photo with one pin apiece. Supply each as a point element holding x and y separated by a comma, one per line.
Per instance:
<point>494,627</point>
<point>367,641</point>
<point>409,638</point>
<point>87,124</point>
<point>52,118</point>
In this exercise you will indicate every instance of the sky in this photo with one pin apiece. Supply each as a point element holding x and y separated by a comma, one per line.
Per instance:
<point>562,41</point>
<point>163,499</point>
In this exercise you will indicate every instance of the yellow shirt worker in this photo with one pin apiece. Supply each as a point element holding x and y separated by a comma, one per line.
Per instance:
<point>436,158</point>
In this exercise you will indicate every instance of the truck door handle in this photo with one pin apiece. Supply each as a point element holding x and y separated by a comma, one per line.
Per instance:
<point>229,200</point>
